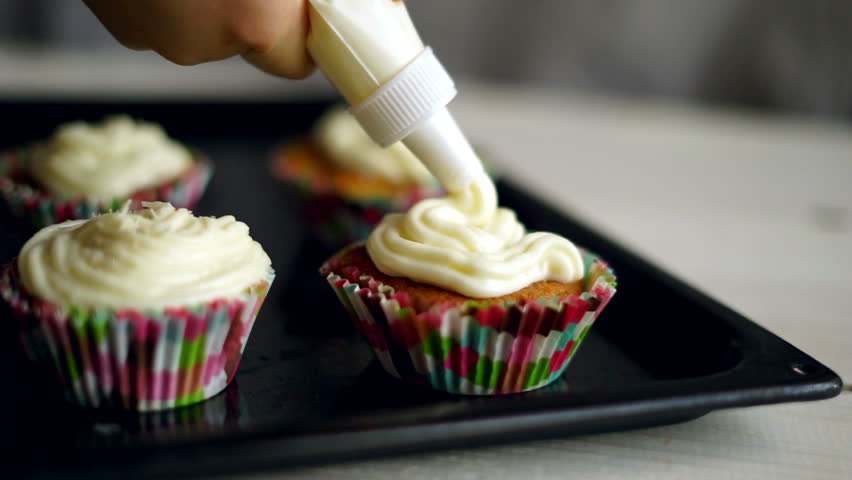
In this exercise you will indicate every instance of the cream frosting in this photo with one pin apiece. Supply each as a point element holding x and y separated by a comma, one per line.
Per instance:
<point>463,242</point>
<point>110,160</point>
<point>348,146</point>
<point>152,258</point>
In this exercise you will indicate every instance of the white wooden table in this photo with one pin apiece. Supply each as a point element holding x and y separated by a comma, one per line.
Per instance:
<point>755,210</point>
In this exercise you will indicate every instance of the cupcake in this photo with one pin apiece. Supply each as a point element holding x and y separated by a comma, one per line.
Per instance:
<point>345,182</point>
<point>143,310</point>
<point>85,169</point>
<point>456,295</point>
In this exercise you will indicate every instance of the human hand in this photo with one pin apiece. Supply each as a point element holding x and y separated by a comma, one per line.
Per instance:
<point>270,34</point>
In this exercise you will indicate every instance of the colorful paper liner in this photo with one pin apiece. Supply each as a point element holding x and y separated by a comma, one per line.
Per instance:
<point>338,220</point>
<point>40,208</point>
<point>131,359</point>
<point>478,348</point>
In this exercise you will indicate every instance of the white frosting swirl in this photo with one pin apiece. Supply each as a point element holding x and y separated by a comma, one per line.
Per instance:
<point>348,146</point>
<point>153,258</point>
<point>464,243</point>
<point>110,160</point>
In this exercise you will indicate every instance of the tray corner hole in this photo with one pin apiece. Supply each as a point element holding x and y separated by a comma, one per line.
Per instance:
<point>802,369</point>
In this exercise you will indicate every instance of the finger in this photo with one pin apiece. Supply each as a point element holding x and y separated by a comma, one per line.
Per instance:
<point>278,41</point>
<point>186,32</point>
<point>119,22</point>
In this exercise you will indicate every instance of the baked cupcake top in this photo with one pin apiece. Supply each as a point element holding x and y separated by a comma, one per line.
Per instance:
<point>348,146</point>
<point>153,258</point>
<point>112,159</point>
<point>464,243</point>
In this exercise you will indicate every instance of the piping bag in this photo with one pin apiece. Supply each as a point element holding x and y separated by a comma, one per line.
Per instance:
<point>395,86</point>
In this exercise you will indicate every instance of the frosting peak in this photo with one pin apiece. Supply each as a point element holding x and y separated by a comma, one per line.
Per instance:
<point>153,258</point>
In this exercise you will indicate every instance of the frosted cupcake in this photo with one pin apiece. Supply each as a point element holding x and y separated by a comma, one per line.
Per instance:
<point>455,294</point>
<point>346,182</point>
<point>143,310</point>
<point>84,169</point>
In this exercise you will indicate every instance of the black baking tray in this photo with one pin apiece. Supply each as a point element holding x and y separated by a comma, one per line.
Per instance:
<point>308,389</point>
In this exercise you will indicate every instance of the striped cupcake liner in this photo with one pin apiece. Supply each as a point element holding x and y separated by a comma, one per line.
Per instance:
<point>337,219</point>
<point>39,208</point>
<point>478,348</point>
<point>131,359</point>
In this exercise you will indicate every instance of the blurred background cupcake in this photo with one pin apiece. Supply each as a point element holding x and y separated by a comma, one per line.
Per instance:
<point>346,182</point>
<point>84,169</point>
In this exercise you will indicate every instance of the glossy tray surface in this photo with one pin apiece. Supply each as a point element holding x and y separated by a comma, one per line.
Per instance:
<point>308,389</point>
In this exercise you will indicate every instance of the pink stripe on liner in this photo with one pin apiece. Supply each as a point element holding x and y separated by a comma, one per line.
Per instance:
<point>124,375</point>
<point>402,299</point>
<point>104,371</point>
<point>560,357</point>
<point>373,334</point>
<point>461,360</point>
<point>404,332</point>
<point>531,319</point>
<point>148,331</point>
<point>139,373</point>
<point>195,326</point>
<point>491,317</point>
<point>424,324</point>
<point>575,308</point>
<point>215,363</point>
<point>521,350</point>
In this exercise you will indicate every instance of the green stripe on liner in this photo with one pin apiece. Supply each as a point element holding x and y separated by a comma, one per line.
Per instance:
<point>537,372</point>
<point>73,369</point>
<point>78,319</point>
<point>583,335</point>
<point>404,313</point>
<point>100,320</point>
<point>191,413</point>
<point>487,373</point>
<point>191,352</point>
<point>77,324</point>
<point>437,346</point>
<point>193,397</point>
<point>471,304</point>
